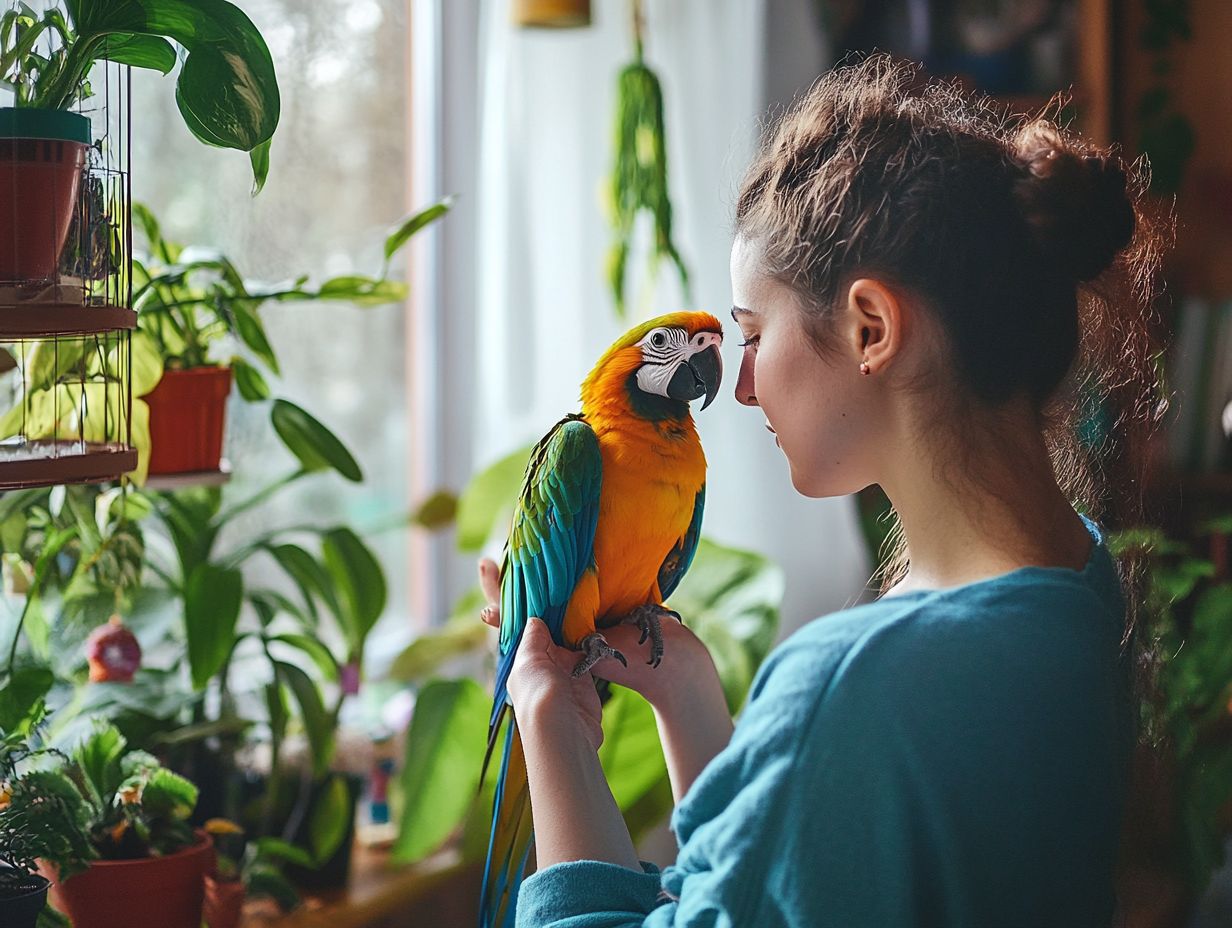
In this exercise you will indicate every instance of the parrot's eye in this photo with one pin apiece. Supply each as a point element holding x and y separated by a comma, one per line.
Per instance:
<point>658,339</point>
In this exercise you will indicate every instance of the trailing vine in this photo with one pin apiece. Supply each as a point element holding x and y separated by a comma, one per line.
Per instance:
<point>639,175</point>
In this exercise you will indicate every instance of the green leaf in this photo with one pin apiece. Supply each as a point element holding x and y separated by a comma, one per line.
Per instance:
<point>139,51</point>
<point>248,379</point>
<point>408,227</point>
<point>251,331</point>
<point>227,91</point>
<point>316,446</point>
<point>363,291</point>
<point>489,494</point>
<point>284,850</point>
<point>444,756</point>
<point>262,881</point>
<point>462,634</point>
<point>631,755</point>
<point>315,650</point>
<point>311,578</point>
<point>98,757</point>
<point>731,600</point>
<point>260,158</point>
<point>437,511</point>
<point>360,582</point>
<point>161,249</point>
<point>147,363</point>
<point>21,695</point>
<point>212,599</point>
<point>318,725</point>
<point>279,711</point>
<point>168,795</point>
<point>48,361</point>
<point>188,515</point>
<point>331,817</point>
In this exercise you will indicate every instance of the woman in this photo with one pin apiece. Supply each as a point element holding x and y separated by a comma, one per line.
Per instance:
<point>931,298</point>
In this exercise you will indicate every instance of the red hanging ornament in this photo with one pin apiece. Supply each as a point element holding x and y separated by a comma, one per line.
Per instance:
<point>113,653</point>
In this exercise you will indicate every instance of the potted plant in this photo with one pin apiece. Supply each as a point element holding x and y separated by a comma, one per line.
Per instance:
<point>305,680</point>
<point>243,870</point>
<point>190,299</point>
<point>34,823</point>
<point>113,833</point>
<point>227,93</point>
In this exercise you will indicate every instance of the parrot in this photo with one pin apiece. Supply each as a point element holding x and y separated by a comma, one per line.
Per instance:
<point>606,524</point>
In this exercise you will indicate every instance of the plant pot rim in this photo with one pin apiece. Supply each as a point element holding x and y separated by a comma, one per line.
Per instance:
<point>204,843</point>
<point>29,122</point>
<point>201,370</point>
<point>46,883</point>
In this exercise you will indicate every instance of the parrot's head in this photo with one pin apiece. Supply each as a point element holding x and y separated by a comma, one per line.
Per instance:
<point>658,367</point>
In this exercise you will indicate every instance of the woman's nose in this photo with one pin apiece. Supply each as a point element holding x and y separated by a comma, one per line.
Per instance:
<point>744,384</point>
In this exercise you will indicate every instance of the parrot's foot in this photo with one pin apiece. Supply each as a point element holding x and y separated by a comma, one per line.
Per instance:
<point>648,619</point>
<point>594,648</point>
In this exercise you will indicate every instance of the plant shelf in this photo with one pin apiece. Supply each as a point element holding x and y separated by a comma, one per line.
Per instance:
<point>48,320</point>
<point>47,462</point>
<point>200,478</point>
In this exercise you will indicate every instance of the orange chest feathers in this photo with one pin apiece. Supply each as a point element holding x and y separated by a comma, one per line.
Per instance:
<point>650,486</point>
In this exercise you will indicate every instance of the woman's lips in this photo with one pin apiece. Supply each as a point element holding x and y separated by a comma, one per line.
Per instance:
<point>770,429</point>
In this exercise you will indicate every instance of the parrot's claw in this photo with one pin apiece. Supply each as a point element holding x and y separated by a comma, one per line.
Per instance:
<point>647,618</point>
<point>594,648</point>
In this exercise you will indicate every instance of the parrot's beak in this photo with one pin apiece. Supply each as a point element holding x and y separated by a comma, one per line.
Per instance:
<point>700,375</point>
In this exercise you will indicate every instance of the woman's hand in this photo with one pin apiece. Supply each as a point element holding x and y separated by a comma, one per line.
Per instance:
<point>542,683</point>
<point>684,690</point>
<point>686,662</point>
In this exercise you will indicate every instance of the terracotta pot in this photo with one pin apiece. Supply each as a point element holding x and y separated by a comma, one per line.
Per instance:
<point>22,911</point>
<point>551,14</point>
<point>188,411</point>
<point>153,892</point>
<point>42,158</point>
<point>224,902</point>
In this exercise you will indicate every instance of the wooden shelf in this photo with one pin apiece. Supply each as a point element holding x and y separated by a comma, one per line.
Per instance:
<point>46,320</point>
<point>46,463</point>
<point>440,891</point>
<point>198,478</point>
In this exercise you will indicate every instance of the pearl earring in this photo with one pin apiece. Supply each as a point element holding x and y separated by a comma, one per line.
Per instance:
<point>864,368</point>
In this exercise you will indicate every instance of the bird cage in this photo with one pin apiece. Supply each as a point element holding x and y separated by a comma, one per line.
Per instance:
<point>66,317</point>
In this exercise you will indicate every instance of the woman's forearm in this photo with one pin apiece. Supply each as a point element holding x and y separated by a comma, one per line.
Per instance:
<point>694,726</point>
<point>575,815</point>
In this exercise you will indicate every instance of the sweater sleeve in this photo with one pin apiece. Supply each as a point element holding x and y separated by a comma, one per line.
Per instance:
<point>741,806</point>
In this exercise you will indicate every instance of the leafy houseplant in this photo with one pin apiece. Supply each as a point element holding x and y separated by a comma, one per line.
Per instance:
<point>189,299</point>
<point>227,93</point>
<point>1190,607</point>
<point>32,825</point>
<point>110,826</point>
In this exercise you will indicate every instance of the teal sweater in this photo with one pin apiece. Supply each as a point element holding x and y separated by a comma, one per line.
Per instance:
<point>953,757</point>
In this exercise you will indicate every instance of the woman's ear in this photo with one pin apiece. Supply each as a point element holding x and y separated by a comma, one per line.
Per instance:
<point>876,323</point>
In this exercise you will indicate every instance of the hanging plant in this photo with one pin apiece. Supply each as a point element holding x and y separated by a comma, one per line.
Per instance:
<point>639,175</point>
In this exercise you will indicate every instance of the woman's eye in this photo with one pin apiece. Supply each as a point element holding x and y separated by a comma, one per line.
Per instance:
<point>752,340</point>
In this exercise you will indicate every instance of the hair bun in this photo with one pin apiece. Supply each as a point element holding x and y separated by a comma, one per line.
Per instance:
<point>1075,204</point>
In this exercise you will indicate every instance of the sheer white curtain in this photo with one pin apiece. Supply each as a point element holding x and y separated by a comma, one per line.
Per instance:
<point>543,313</point>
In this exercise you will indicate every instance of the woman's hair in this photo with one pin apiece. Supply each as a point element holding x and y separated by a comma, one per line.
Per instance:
<point>1034,249</point>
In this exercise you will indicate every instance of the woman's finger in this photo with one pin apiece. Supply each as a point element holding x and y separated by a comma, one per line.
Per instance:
<point>489,583</point>
<point>489,580</point>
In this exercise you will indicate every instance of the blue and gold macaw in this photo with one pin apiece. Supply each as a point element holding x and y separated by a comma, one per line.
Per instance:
<point>606,525</point>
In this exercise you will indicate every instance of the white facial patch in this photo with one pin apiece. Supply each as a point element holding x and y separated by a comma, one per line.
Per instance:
<point>663,351</point>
